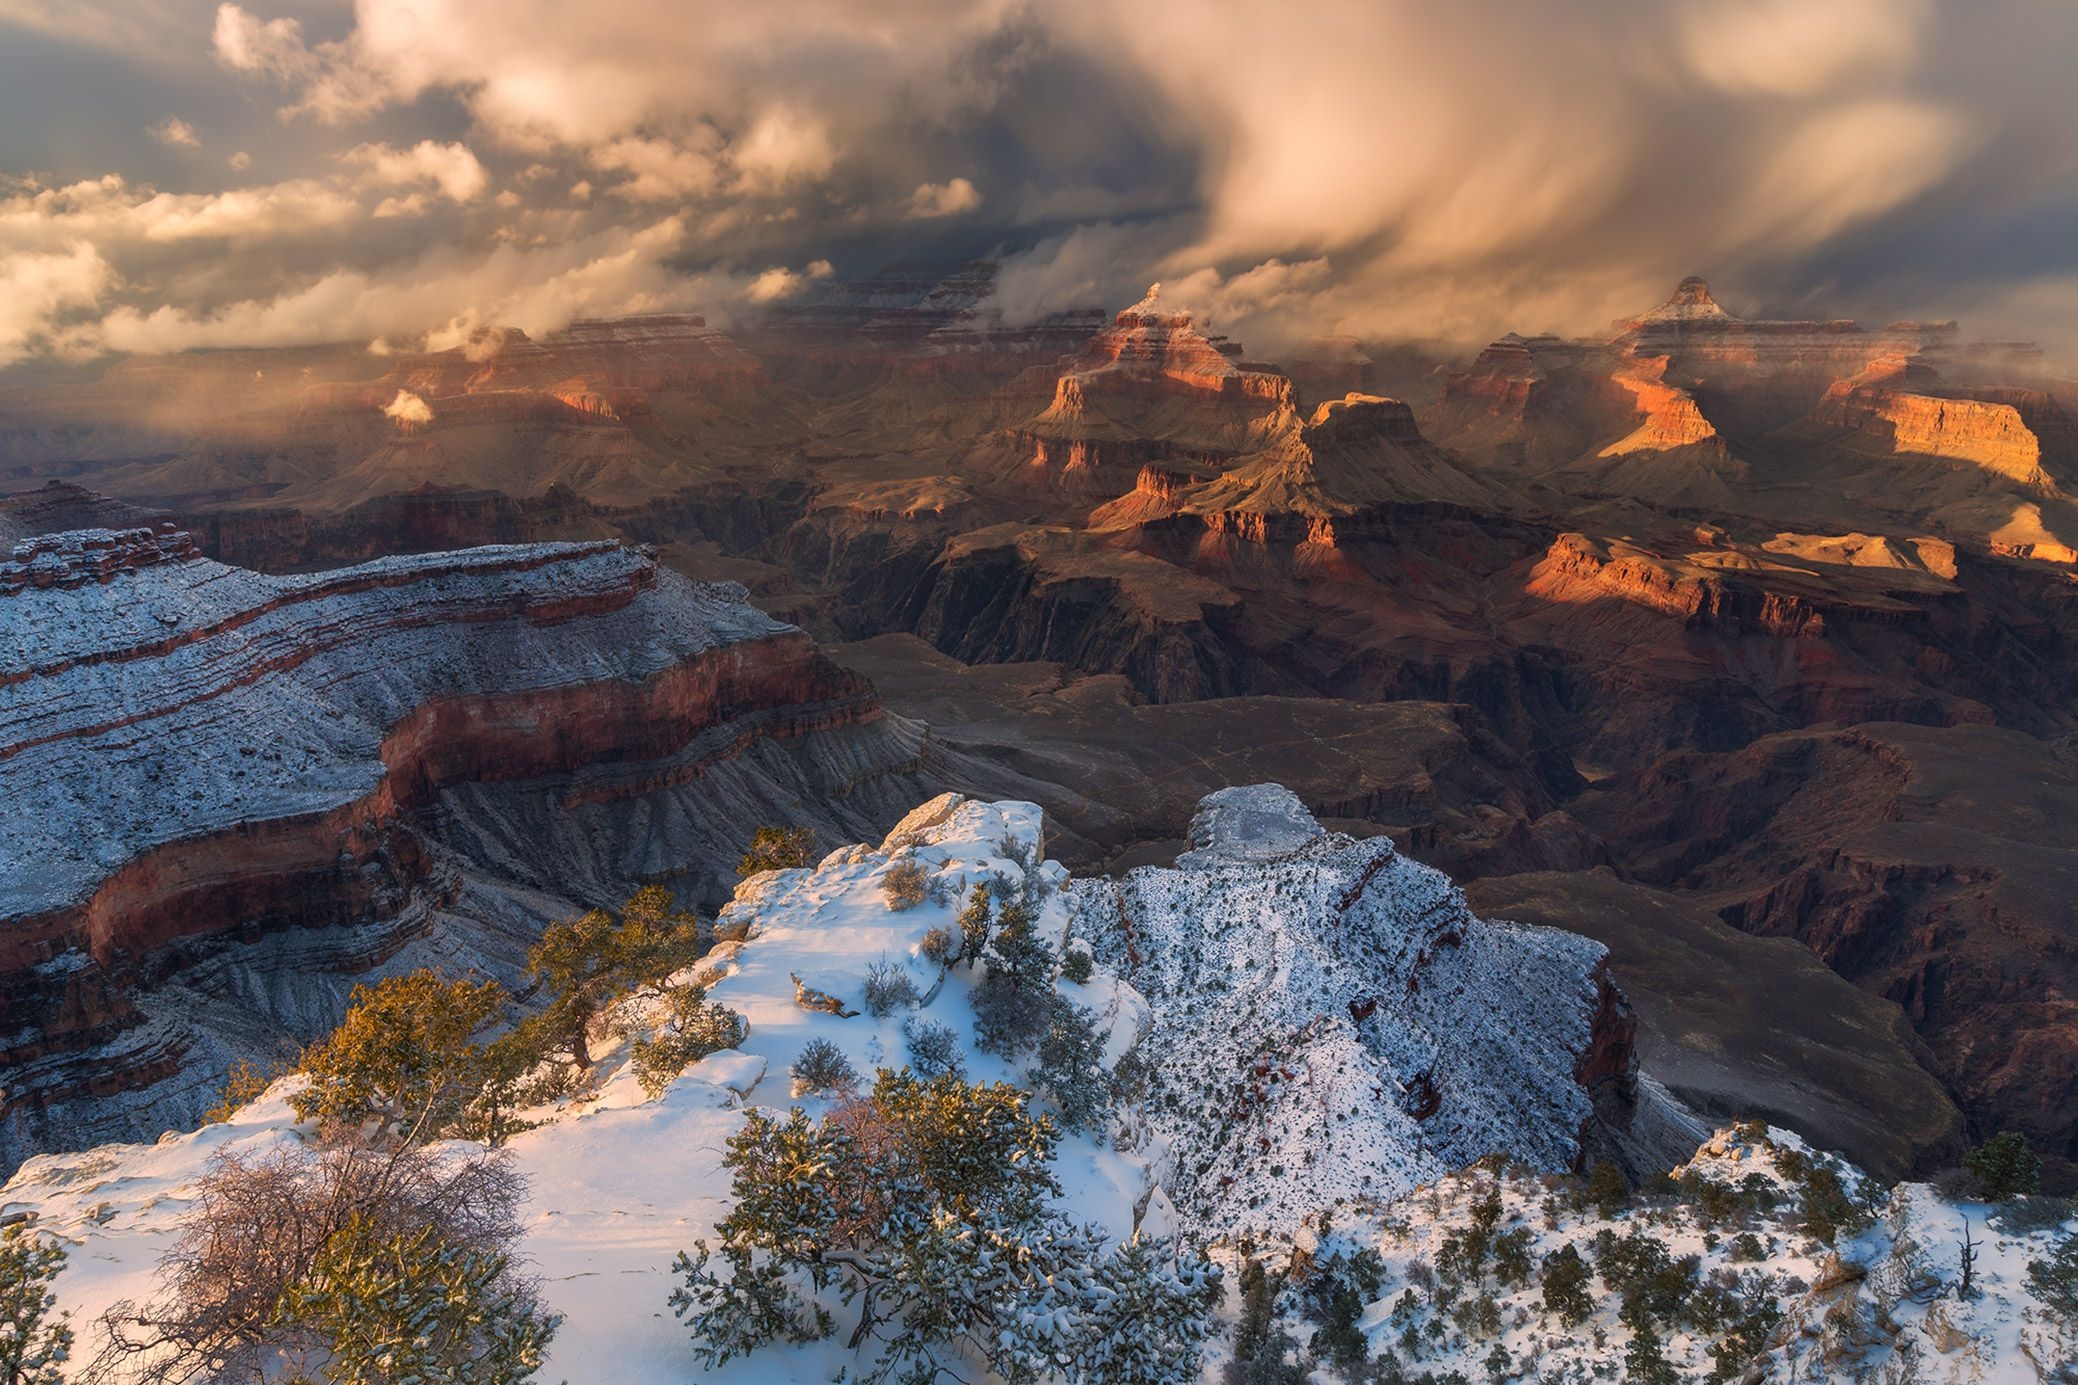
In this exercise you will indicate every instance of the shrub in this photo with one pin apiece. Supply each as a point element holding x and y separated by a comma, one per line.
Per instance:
<point>926,1203</point>
<point>941,946</point>
<point>934,1048</point>
<point>2054,1278</point>
<point>777,848</point>
<point>33,1345</point>
<point>1512,1257</point>
<point>2003,1167</point>
<point>888,988</point>
<point>1606,1189</point>
<point>244,1084</point>
<point>404,1056</point>
<point>1077,966</point>
<point>693,1028</point>
<point>822,1067</point>
<point>408,1306</point>
<point>903,885</point>
<point>253,1235</point>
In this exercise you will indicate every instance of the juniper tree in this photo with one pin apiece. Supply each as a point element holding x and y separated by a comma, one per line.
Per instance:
<point>403,1056</point>
<point>1565,1286</point>
<point>589,962</point>
<point>974,924</point>
<point>691,1028</point>
<point>405,1307</point>
<point>1015,1002</point>
<point>33,1344</point>
<point>2054,1278</point>
<point>776,848</point>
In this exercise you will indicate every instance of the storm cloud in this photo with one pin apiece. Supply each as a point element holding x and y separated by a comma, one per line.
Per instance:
<point>181,174</point>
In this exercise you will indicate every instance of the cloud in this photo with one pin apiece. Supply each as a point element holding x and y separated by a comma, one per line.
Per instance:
<point>176,132</point>
<point>450,168</point>
<point>408,409</point>
<point>932,200</point>
<point>36,290</point>
<point>1399,167</point>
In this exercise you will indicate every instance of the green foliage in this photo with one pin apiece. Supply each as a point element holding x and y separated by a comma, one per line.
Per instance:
<point>2004,1167</point>
<point>693,1027</point>
<point>1071,1066</point>
<point>1512,1257</point>
<point>976,924</point>
<point>1645,1359</point>
<point>1828,1209</point>
<point>410,1309</point>
<point>1078,966</point>
<point>1606,1189</point>
<point>2054,1278</point>
<point>33,1345</point>
<point>1014,1005</point>
<point>587,963</point>
<point>1261,1347</point>
<point>404,1056</point>
<point>1566,1294</point>
<point>1743,1341</point>
<point>777,848</point>
<point>926,1203</point>
<point>940,945</point>
<point>1337,1293</point>
<point>903,885</point>
<point>822,1067</point>
<point>244,1084</point>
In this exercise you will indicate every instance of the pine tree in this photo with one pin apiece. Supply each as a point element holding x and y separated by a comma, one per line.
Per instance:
<point>33,1346</point>
<point>1014,1004</point>
<point>410,1309</point>
<point>586,964</point>
<point>693,1027</point>
<point>974,924</point>
<point>1071,1066</point>
<point>403,1056</point>
<point>2054,1279</point>
<point>1565,1286</point>
<point>2004,1167</point>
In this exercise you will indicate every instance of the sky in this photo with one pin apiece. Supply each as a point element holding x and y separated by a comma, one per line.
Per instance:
<point>178,174</point>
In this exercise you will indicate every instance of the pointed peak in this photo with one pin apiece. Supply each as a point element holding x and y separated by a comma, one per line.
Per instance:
<point>1691,303</point>
<point>1149,306</point>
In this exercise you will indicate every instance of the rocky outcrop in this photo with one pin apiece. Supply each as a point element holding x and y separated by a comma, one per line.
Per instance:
<point>1331,1024</point>
<point>1670,415</point>
<point>225,755</point>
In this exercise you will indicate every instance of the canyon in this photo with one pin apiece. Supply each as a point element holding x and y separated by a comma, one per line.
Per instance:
<point>1536,611</point>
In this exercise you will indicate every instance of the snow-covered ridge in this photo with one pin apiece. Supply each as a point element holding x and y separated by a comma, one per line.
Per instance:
<point>1331,1025</point>
<point>183,697</point>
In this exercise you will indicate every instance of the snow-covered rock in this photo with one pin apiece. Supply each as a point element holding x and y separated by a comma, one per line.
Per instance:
<point>1331,1025</point>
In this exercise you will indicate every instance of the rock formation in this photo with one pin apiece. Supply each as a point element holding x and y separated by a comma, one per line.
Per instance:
<point>223,757</point>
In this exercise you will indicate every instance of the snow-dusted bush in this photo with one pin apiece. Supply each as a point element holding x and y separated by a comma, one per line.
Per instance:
<point>1077,965</point>
<point>940,945</point>
<point>976,921</point>
<point>33,1344</point>
<point>888,988</point>
<point>254,1239</point>
<point>904,885</point>
<point>693,1028</point>
<point>822,1067</point>
<point>934,1048</point>
<point>928,1205</point>
<point>777,848</point>
<point>1071,1066</point>
<point>1014,1004</point>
